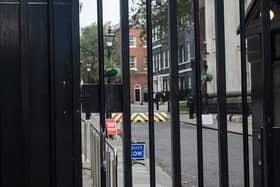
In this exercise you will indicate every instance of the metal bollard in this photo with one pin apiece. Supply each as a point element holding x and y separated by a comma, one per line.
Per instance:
<point>108,168</point>
<point>83,149</point>
<point>98,161</point>
<point>91,143</point>
<point>85,142</point>
<point>115,170</point>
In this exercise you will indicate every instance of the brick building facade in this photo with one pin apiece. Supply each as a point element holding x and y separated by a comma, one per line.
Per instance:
<point>138,67</point>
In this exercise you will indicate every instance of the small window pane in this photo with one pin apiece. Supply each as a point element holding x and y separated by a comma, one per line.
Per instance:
<point>133,64</point>
<point>132,41</point>
<point>145,63</point>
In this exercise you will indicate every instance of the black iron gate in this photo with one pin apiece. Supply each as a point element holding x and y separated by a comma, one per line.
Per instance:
<point>40,113</point>
<point>40,97</point>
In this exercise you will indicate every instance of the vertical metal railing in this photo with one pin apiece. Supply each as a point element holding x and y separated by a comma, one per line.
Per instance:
<point>124,28</point>
<point>52,94</point>
<point>246,170</point>
<point>150,91</point>
<point>197,70</point>
<point>267,82</point>
<point>102,156</point>
<point>101,90</point>
<point>94,157</point>
<point>221,93</point>
<point>174,97</point>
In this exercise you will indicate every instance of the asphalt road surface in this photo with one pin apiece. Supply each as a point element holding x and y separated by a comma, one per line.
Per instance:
<point>188,153</point>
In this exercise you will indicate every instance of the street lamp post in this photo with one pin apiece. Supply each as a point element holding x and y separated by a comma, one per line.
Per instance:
<point>110,70</point>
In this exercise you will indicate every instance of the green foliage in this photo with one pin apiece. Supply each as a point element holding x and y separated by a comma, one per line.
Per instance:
<point>89,53</point>
<point>206,77</point>
<point>160,15</point>
<point>183,106</point>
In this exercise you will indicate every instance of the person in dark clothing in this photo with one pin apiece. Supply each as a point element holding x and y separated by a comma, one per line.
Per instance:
<point>190,105</point>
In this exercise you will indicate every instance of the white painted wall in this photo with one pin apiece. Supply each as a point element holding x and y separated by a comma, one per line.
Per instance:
<point>232,42</point>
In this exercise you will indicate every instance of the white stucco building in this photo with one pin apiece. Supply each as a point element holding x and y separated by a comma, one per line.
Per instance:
<point>232,46</point>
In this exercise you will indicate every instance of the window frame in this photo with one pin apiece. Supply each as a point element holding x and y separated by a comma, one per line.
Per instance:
<point>145,63</point>
<point>134,41</point>
<point>130,63</point>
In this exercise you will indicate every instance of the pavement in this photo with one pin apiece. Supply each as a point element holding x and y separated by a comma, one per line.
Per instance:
<point>140,171</point>
<point>163,107</point>
<point>234,126</point>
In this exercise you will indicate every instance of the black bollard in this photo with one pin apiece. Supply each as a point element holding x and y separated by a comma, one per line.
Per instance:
<point>88,114</point>
<point>157,103</point>
<point>168,106</point>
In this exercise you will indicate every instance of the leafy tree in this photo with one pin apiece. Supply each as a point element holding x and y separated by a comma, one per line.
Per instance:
<point>160,15</point>
<point>89,53</point>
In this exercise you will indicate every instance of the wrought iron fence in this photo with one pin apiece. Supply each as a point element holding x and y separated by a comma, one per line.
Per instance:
<point>93,156</point>
<point>221,98</point>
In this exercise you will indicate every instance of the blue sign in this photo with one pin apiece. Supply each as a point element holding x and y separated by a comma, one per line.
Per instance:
<point>138,151</point>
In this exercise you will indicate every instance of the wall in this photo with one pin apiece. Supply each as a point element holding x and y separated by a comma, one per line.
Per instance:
<point>138,77</point>
<point>232,45</point>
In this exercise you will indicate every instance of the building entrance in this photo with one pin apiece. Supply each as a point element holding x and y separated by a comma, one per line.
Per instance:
<point>137,94</point>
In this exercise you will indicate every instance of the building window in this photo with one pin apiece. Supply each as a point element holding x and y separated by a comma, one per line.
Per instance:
<point>180,54</point>
<point>133,63</point>
<point>145,63</point>
<point>156,33</point>
<point>159,62</point>
<point>167,61</point>
<point>132,41</point>
<point>154,67</point>
<point>189,82</point>
<point>165,85</point>
<point>146,88</point>
<point>183,53</point>
<point>164,59</point>
<point>156,63</point>
<point>145,43</point>
<point>187,54</point>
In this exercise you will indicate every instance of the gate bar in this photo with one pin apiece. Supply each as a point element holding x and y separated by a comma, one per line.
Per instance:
<point>150,91</point>
<point>25,100</point>
<point>101,91</point>
<point>267,93</point>
<point>198,94</point>
<point>221,93</point>
<point>124,25</point>
<point>244,94</point>
<point>52,94</point>
<point>174,94</point>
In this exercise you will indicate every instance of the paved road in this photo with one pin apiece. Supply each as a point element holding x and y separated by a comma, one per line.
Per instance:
<point>144,107</point>
<point>188,153</point>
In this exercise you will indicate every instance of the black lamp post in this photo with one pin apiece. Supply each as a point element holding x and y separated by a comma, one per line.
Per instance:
<point>110,70</point>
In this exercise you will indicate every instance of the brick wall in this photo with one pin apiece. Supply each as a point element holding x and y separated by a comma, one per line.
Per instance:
<point>138,77</point>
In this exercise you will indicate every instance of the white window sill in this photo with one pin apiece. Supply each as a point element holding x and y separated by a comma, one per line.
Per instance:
<point>186,62</point>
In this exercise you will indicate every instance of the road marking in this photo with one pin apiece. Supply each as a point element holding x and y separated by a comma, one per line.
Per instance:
<point>141,117</point>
